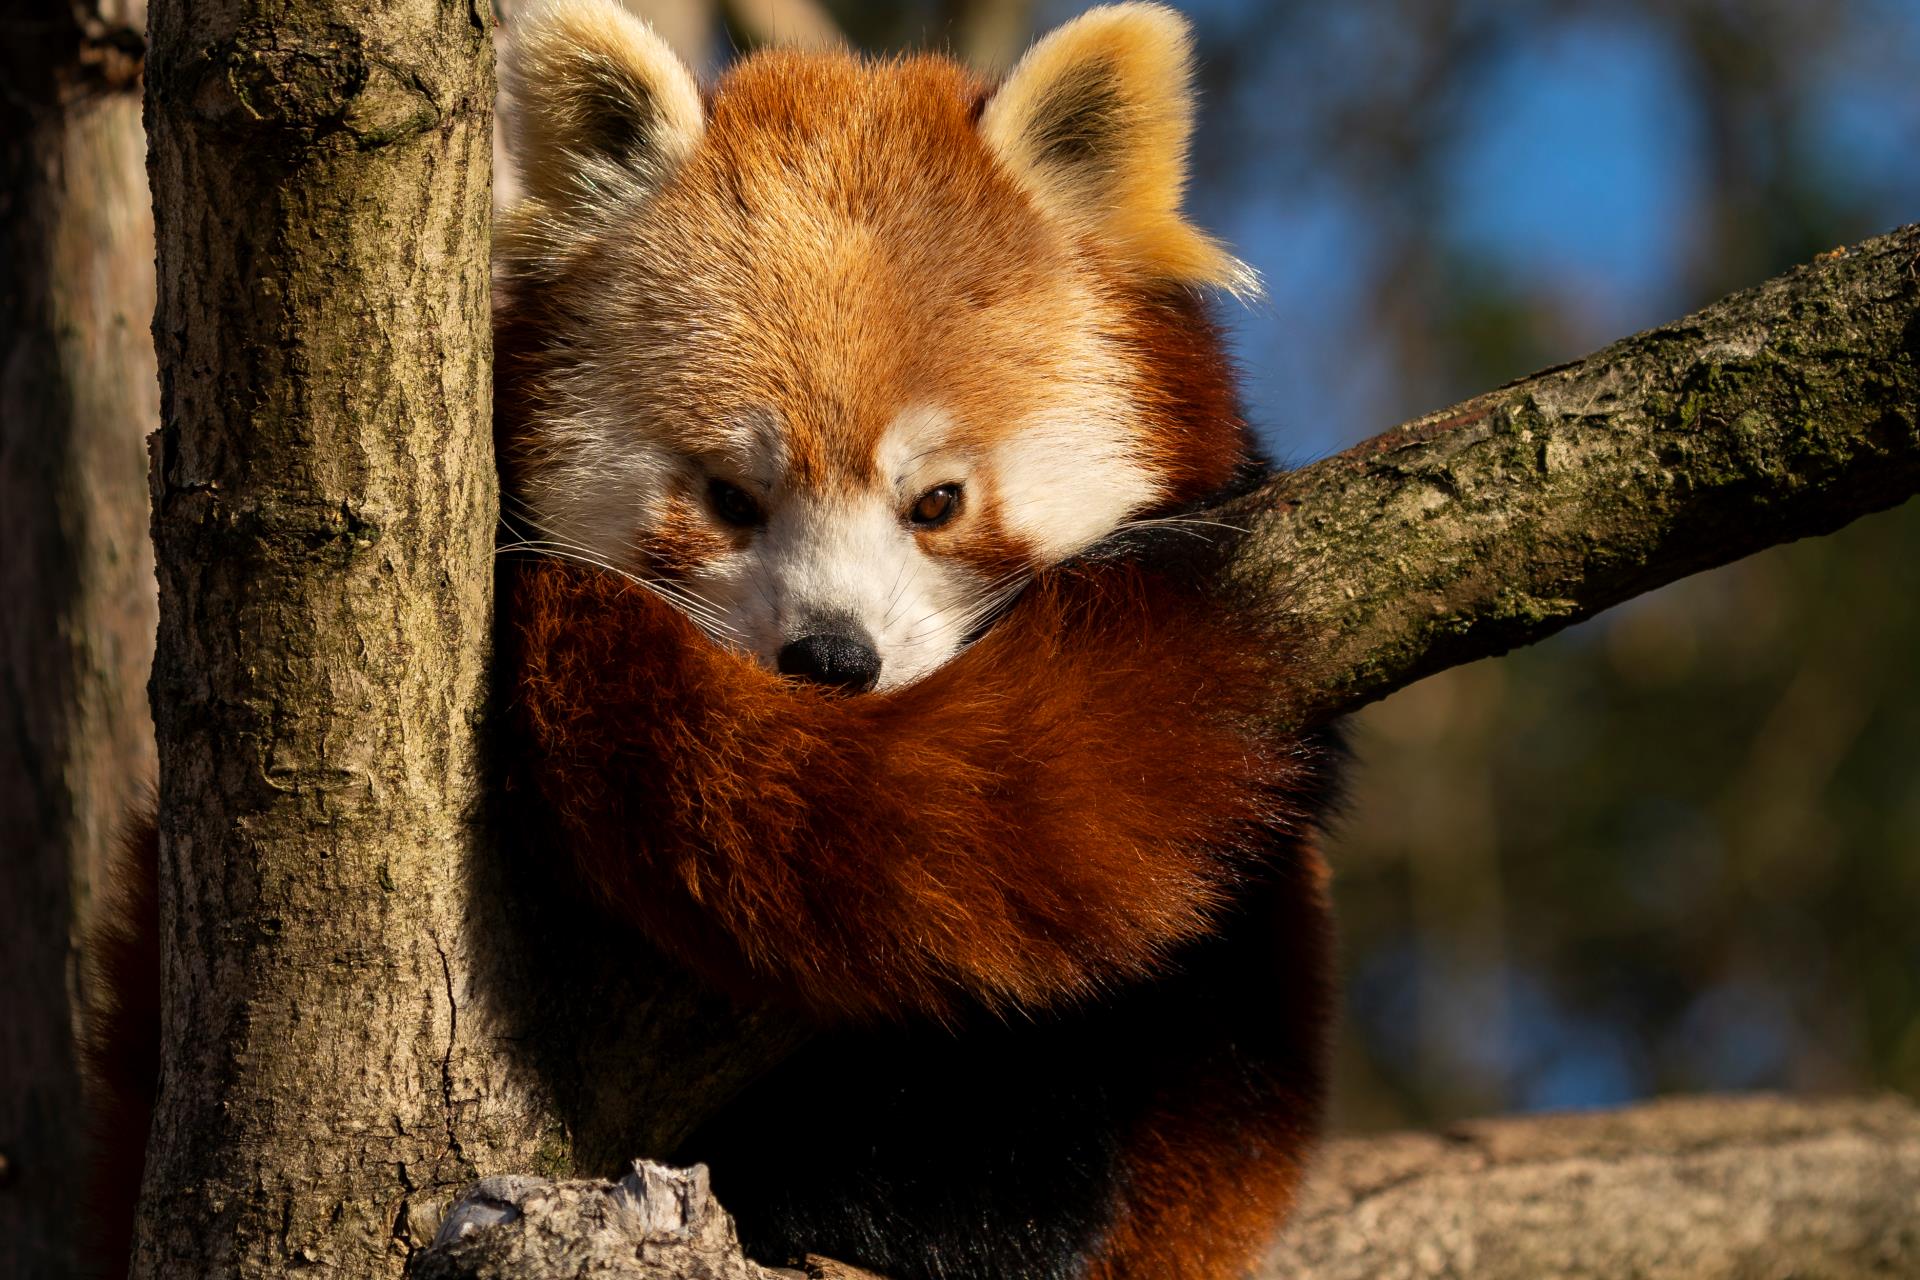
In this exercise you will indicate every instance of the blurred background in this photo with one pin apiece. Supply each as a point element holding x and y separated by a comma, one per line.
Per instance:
<point>1677,848</point>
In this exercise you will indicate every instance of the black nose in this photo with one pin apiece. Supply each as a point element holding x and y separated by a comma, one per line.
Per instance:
<point>832,658</point>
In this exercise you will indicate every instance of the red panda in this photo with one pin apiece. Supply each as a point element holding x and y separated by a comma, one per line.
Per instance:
<point>870,663</point>
<point>869,658</point>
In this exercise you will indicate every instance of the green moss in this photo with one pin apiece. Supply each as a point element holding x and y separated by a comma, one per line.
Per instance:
<point>553,1157</point>
<point>1530,611</point>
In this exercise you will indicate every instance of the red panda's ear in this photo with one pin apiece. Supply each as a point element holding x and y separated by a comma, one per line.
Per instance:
<point>595,99</point>
<point>1094,123</point>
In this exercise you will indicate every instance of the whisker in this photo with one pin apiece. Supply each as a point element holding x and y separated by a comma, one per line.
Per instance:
<point>894,596</point>
<point>974,609</point>
<point>698,610</point>
<point>703,612</point>
<point>1177,522</point>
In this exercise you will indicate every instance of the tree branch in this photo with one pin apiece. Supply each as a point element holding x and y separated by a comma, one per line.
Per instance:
<point>324,505</point>
<point>1693,1187</point>
<point>1697,1187</point>
<point>1779,412</point>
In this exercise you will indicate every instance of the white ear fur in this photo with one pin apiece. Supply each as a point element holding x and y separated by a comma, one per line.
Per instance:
<point>595,96</point>
<point>1094,123</point>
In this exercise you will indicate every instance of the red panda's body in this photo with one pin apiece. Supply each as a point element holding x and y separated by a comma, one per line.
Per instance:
<point>872,667</point>
<point>1070,963</point>
<point>1050,889</point>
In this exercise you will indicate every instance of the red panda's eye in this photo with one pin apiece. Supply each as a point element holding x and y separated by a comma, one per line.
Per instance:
<point>935,507</point>
<point>734,505</point>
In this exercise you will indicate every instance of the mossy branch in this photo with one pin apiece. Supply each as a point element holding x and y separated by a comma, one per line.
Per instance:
<point>1780,412</point>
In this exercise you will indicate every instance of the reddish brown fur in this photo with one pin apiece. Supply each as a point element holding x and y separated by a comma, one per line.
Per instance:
<point>1187,392</point>
<point>819,251</point>
<point>122,1046</point>
<point>1213,1171</point>
<point>841,345</point>
<point>1048,814</point>
<point>686,537</point>
<point>830,268</point>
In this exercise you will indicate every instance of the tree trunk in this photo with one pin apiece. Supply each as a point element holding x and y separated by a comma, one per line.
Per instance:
<point>324,503</point>
<point>77,398</point>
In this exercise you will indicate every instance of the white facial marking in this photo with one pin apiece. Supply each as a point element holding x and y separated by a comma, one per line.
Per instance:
<point>593,482</point>
<point>851,563</point>
<point>601,476</point>
<point>843,561</point>
<point>1069,477</point>
<point>917,452</point>
<point>756,449</point>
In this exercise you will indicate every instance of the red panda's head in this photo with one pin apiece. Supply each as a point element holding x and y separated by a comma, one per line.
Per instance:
<point>838,354</point>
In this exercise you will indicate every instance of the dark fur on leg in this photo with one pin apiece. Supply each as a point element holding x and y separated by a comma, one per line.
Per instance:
<point>1155,1135</point>
<point>122,1048</point>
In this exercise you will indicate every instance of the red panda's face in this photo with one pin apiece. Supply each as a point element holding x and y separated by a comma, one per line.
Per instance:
<point>837,359</point>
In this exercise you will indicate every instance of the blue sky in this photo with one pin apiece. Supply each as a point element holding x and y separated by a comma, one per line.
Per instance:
<point>1573,168</point>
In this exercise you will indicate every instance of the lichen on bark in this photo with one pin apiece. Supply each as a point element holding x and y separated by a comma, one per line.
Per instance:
<point>1780,412</point>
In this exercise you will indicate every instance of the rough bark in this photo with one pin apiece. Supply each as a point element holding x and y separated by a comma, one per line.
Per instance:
<point>77,398</point>
<point>653,1222</point>
<point>324,504</point>
<point>1687,1189</point>
<point>1779,412</point>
